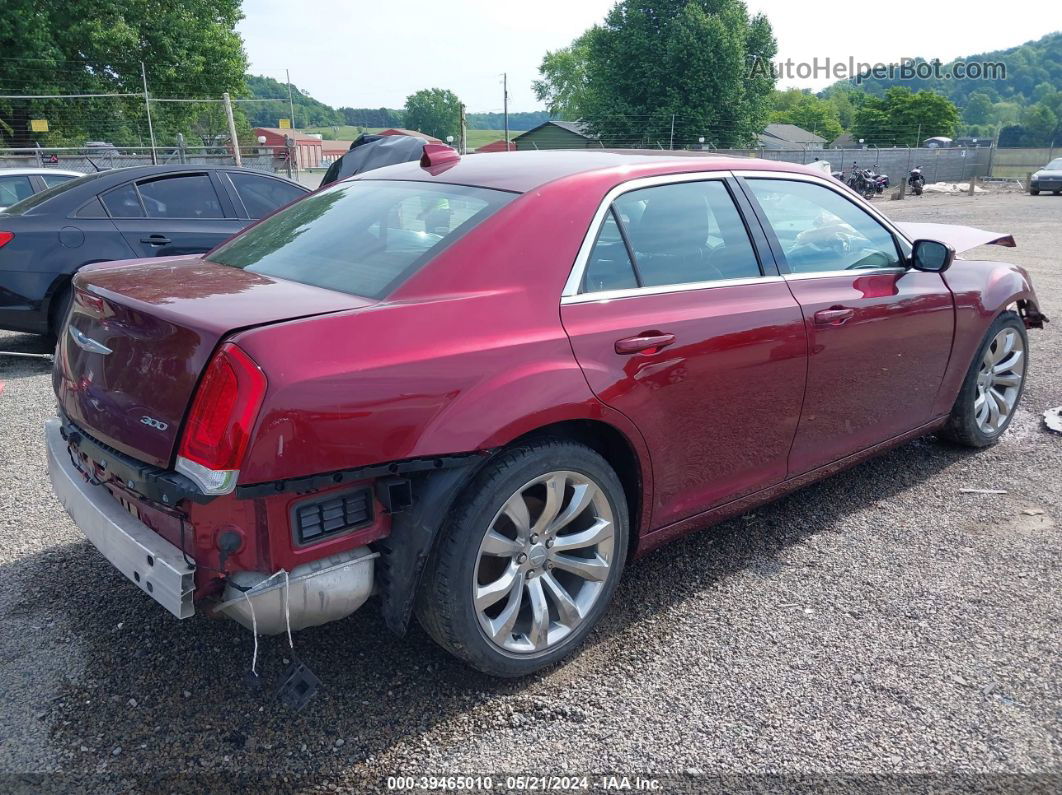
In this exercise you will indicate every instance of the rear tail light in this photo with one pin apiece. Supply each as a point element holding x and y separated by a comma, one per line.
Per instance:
<point>5,238</point>
<point>223,413</point>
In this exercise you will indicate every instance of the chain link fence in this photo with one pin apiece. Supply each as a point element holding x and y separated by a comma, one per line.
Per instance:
<point>88,159</point>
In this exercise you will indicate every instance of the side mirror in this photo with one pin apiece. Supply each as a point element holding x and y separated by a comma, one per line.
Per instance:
<point>931,256</point>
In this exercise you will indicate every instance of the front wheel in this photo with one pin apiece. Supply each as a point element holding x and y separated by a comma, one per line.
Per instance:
<point>1034,192</point>
<point>993,385</point>
<point>529,559</point>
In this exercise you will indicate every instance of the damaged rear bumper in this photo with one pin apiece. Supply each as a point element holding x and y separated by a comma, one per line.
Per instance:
<point>145,558</point>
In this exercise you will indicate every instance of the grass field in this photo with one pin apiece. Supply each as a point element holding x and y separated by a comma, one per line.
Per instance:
<point>476,138</point>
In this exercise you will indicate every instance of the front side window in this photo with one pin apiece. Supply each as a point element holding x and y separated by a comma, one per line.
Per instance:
<point>186,196</point>
<point>820,230</point>
<point>364,237</point>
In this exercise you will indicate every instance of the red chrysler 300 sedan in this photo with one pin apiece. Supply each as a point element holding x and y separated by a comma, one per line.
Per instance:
<point>477,386</point>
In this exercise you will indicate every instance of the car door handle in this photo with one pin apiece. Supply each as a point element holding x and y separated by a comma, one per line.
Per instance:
<point>644,342</point>
<point>834,316</point>
<point>155,240</point>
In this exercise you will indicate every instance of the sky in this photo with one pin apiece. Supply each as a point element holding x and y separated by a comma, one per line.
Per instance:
<point>374,54</point>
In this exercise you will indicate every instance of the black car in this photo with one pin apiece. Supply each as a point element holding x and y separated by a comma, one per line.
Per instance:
<point>143,211</point>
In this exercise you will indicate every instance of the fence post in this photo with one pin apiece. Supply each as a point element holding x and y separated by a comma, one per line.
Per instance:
<point>991,159</point>
<point>147,108</point>
<point>289,150</point>
<point>181,158</point>
<point>232,128</point>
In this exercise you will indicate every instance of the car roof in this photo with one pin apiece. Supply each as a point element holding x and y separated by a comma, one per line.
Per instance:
<point>28,172</point>
<point>524,171</point>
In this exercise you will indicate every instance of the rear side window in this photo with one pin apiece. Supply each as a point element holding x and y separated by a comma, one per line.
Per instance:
<point>682,233</point>
<point>186,196</point>
<point>262,195</point>
<point>609,266</point>
<point>364,237</point>
<point>123,202</point>
<point>51,180</point>
<point>14,189</point>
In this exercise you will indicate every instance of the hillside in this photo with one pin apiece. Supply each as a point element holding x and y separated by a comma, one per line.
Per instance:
<point>1032,69</point>
<point>311,113</point>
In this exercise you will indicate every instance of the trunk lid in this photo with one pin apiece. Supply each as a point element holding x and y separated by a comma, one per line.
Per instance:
<point>141,333</point>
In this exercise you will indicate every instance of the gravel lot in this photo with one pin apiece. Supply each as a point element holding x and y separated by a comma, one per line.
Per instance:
<point>878,622</point>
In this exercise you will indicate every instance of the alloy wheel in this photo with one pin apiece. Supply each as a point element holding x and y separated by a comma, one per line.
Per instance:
<point>999,380</point>
<point>543,562</point>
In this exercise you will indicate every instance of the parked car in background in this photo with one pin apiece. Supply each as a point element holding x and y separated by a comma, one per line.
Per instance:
<point>479,385</point>
<point>17,184</point>
<point>1048,178</point>
<point>143,211</point>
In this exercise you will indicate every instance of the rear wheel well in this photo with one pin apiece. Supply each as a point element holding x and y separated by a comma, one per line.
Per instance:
<point>611,445</point>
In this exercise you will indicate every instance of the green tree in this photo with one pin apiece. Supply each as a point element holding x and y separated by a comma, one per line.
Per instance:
<point>806,110</point>
<point>978,109</point>
<point>309,112</point>
<point>436,111</point>
<point>656,65</point>
<point>904,117</point>
<point>189,48</point>
<point>1040,125</point>
<point>563,86</point>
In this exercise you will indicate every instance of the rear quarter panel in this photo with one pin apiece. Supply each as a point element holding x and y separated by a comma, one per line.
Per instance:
<point>438,369</point>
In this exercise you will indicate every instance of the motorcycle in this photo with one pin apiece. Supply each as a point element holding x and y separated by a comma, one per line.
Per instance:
<point>916,182</point>
<point>862,182</point>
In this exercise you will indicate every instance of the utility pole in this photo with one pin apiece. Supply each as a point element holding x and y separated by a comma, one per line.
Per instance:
<point>463,140</point>
<point>291,103</point>
<point>232,129</point>
<point>147,107</point>
<point>505,106</point>
<point>671,144</point>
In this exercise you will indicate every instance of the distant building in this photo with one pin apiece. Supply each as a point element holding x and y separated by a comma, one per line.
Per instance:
<point>557,135</point>
<point>308,148</point>
<point>789,136</point>
<point>414,133</point>
<point>331,151</point>
<point>938,142</point>
<point>845,141</point>
<point>497,146</point>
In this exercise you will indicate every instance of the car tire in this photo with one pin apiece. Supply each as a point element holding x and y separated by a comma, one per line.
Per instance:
<point>1034,191</point>
<point>1057,192</point>
<point>492,550</point>
<point>988,388</point>
<point>59,308</point>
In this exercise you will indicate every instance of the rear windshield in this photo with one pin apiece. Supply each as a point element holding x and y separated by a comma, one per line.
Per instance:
<point>364,237</point>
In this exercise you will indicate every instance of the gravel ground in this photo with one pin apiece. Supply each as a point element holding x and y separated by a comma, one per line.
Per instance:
<point>877,622</point>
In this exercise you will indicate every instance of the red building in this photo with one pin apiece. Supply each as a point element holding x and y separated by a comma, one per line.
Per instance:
<point>308,148</point>
<point>498,146</point>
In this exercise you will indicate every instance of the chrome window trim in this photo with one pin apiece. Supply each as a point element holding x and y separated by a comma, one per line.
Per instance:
<point>794,277</point>
<point>636,292</point>
<point>575,278</point>
<point>841,190</point>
